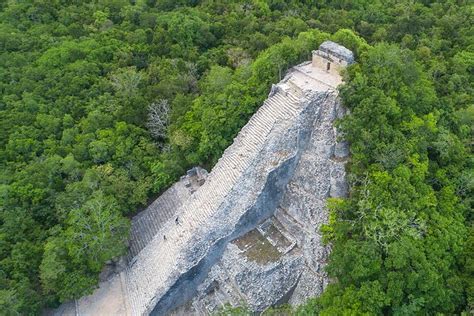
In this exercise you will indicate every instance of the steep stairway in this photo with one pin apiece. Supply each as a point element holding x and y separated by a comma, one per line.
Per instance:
<point>143,279</point>
<point>162,248</point>
<point>149,222</point>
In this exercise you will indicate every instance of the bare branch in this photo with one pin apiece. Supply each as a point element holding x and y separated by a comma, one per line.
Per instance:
<point>158,118</point>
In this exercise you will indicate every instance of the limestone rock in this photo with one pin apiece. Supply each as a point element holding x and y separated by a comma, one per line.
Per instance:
<point>249,231</point>
<point>341,150</point>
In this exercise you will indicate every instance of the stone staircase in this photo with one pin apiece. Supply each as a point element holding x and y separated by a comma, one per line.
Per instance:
<point>162,235</point>
<point>149,222</point>
<point>161,260</point>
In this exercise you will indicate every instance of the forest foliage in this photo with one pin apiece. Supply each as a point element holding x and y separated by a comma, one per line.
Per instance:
<point>105,103</point>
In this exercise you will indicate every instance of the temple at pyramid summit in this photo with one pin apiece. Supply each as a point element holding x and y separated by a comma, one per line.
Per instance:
<point>249,229</point>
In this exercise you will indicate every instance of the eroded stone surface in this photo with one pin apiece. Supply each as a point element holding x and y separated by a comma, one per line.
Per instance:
<point>248,232</point>
<point>289,263</point>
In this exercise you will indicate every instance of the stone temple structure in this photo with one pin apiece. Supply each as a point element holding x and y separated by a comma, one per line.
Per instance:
<point>249,231</point>
<point>332,57</point>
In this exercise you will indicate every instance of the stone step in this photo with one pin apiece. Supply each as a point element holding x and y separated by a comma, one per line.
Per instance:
<point>150,232</point>
<point>147,230</point>
<point>268,113</point>
<point>156,224</point>
<point>282,106</point>
<point>284,230</point>
<point>289,224</point>
<point>276,101</point>
<point>285,94</point>
<point>296,90</point>
<point>287,106</point>
<point>136,241</point>
<point>134,249</point>
<point>150,221</point>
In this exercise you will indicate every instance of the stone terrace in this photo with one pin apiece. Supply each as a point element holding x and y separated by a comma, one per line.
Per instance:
<point>155,263</point>
<point>159,261</point>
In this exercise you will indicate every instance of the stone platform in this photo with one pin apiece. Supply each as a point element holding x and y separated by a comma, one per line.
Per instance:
<point>249,230</point>
<point>282,259</point>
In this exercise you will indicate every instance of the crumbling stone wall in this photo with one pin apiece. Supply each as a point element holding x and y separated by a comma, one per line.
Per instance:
<point>272,180</point>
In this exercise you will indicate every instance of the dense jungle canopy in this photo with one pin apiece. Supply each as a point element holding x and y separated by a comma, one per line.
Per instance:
<point>80,152</point>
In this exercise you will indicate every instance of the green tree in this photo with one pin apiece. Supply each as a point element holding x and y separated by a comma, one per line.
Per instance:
<point>95,233</point>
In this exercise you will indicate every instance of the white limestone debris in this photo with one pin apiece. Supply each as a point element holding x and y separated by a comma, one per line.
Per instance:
<point>249,230</point>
